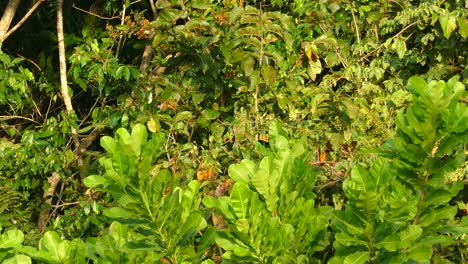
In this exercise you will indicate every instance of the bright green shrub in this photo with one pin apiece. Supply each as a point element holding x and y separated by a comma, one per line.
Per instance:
<point>270,212</point>
<point>399,210</point>
<point>160,217</point>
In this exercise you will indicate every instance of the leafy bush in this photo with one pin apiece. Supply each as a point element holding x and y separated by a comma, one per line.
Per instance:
<point>398,211</point>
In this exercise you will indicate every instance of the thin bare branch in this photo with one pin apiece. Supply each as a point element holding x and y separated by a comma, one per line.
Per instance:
<point>358,38</point>
<point>122,21</point>
<point>95,15</point>
<point>383,44</point>
<point>29,60</point>
<point>25,17</point>
<point>153,8</point>
<point>3,118</point>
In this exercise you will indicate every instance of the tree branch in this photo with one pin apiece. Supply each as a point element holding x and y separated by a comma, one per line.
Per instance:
<point>25,17</point>
<point>7,17</point>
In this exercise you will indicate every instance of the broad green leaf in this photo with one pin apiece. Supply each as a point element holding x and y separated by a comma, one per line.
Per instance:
<point>339,218</point>
<point>264,181</point>
<point>463,27</point>
<point>399,45</point>
<point>268,74</point>
<point>18,259</point>
<point>315,68</point>
<point>243,171</point>
<point>153,125</point>
<point>96,180</point>
<point>184,115</point>
<point>420,253</point>
<point>348,240</point>
<point>192,225</point>
<point>410,235</point>
<point>139,137</point>
<point>391,242</point>
<point>109,144</point>
<point>51,243</point>
<point>438,197</point>
<point>240,197</point>
<point>222,204</point>
<point>435,215</point>
<point>11,239</point>
<point>247,65</point>
<point>118,213</point>
<point>359,257</point>
<point>119,233</point>
<point>190,194</point>
<point>367,203</point>
<point>448,24</point>
<point>417,85</point>
<point>229,242</point>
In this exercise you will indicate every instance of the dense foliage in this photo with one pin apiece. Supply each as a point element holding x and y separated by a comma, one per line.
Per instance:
<point>235,131</point>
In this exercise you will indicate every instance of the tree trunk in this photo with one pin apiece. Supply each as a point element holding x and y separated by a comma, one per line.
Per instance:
<point>63,70</point>
<point>7,17</point>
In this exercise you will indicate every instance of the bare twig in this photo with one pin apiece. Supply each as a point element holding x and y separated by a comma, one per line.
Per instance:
<point>25,17</point>
<point>95,15</point>
<point>18,117</point>
<point>65,204</point>
<point>355,22</point>
<point>328,184</point>
<point>122,21</point>
<point>30,61</point>
<point>383,44</point>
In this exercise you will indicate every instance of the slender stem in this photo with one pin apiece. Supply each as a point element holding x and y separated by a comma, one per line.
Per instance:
<point>358,38</point>
<point>422,198</point>
<point>122,21</point>
<point>260,64</point>
<point>383,44</point>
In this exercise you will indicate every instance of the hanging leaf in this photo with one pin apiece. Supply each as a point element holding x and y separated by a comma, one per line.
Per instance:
<point>448,24</point>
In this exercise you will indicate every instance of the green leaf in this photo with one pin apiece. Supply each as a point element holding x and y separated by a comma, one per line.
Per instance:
<point>139,138</point>
<point>11,239</point>
<point>56,249</point>
<point>243,171</point>
<point>184,115</point>
<point>463,27</point>
<point>240,197</point>
<point>95,180</point>
<point>435,215</point>
<point>268,74</point>
<point>420,253</point>
<point>391,242</point>
<point>119,233</point>
<point>399,45</point>
<point>410,235</point>
<point>347,240</point>
<point>359,257</point>
<point>18,259</point>
<point>448,24</point>
<point>339,218</point>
